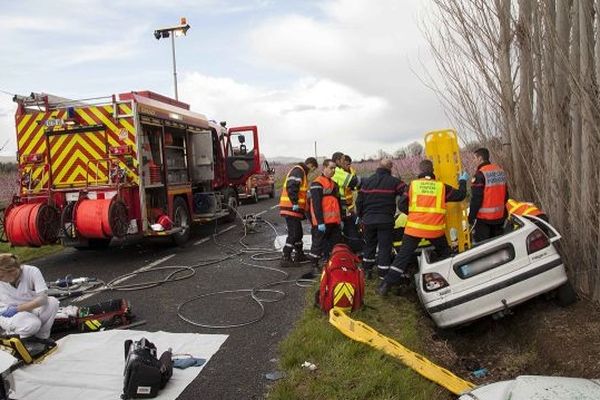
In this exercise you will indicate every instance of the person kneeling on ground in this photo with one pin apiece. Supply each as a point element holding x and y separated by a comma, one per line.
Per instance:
<point>427,199</point>
<point>25,307</point>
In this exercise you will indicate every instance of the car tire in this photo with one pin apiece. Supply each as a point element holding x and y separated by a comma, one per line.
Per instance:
<point>181,218</point>
<point>272,192</point>
<point>232,201</point>
<point>566,295</point>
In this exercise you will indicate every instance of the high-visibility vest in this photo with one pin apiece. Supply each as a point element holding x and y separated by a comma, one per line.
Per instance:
<point>348,194</point>
<point>494,193</point>
<point>342,178</point>
<point>329,203</point>
<point>399,224</point>
<point>285,204</point>
<point>426,209</point>
<point>522,208</point>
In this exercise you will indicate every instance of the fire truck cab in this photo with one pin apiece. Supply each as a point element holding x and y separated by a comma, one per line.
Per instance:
<point>136,164</point>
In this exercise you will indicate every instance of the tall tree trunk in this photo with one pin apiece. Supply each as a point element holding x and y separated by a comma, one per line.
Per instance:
<point>525,99</point>
<point>588,184</point>
<point>507,92</point>
<point>558,188</point>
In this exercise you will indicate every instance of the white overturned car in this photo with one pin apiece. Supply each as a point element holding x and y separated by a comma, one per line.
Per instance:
<point>494,275</point>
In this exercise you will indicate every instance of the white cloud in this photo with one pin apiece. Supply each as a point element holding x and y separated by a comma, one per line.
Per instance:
<point>366,47</point>
<point>7,125</point>
<point>290,120</point>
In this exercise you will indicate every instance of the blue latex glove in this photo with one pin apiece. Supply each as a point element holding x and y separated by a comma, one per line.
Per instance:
<point>321,228</point>
<point>183,363</point>
<point>295,207</point>
<point>10,311</point>
<point>463,176</point>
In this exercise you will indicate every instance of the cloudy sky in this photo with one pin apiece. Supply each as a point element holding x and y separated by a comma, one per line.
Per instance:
<point>339,72</point>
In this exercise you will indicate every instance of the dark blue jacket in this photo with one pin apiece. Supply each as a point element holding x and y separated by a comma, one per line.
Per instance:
<point>376,201</point>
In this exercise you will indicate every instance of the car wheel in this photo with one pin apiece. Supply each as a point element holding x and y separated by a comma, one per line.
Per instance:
<point>272,192</point>
<point>181,218</point>
<point>566,295</point>
<point>232,203</point>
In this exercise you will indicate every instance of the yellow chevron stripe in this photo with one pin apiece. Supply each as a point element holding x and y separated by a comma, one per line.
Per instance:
<point>341,290</point>
<point>85,116</point>
<point>60,177</point>
<point>24,122</point>
<point>126,109</point>
<point>79,170</point>
<point>65,151</point>
<point>39,135</point>
<point>27,133</point>
<point>104,120</point>
<point>127,126</point>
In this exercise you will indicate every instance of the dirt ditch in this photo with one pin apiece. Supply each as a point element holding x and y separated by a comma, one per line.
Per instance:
<point>539,338</point>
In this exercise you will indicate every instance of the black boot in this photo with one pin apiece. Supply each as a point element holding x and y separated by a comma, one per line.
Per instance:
<point>299,256</point>
<point>286,261</point>
<point>383,288</point>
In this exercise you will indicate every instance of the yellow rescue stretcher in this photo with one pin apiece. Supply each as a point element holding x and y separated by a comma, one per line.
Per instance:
<point>441,147</point>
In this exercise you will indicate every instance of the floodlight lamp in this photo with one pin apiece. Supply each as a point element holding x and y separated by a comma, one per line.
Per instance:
<point>157,35</point>
<point>165,34</point>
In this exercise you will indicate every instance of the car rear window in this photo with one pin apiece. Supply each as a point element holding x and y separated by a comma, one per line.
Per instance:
<point>484,262</point>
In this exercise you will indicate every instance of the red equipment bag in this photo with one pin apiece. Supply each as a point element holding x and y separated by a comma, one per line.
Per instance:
<point>342,282</point>
<point>105,315</point>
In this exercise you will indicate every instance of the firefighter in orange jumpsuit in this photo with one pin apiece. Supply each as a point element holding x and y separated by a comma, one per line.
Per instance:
<point>293,206</point>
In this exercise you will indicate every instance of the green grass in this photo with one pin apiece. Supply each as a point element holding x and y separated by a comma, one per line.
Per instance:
<point>348,369</point>
<point>30,253</point>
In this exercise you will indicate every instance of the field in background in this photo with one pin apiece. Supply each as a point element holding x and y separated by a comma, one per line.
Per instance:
<point>405,168</point>
<point>8,186</point>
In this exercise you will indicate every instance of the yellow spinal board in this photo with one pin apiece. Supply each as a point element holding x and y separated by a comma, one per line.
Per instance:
<point>441,147</point>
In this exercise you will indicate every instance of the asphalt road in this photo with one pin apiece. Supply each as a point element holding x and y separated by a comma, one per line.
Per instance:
<point>237,370</point>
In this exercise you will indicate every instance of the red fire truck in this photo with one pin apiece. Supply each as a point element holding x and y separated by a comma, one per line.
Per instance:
<point>133,164</point>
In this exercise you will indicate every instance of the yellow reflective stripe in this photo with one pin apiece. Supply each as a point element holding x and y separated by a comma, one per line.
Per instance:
<point>300,201</point>
<point>428,210</point>
<point>343,289</point>
<point>425,227</point>
<point>528,210</point>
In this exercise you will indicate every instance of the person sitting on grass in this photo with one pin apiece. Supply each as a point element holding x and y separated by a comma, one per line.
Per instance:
<point>25,307</point>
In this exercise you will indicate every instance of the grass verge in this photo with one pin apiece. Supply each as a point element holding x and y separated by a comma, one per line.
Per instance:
<point>350,370</point>
<point>30,253</point>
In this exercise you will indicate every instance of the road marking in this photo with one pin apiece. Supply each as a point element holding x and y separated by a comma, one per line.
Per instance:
<point>144,268</point>
<point>206,239</point>
<point>275,206</point>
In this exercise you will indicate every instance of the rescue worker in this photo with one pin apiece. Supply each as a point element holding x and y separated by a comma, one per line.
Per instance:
<point>343,179</point>
<point>326,215</point>
<point>376,207</point>
<point>489,195</point>
<point>350,226</point>
<point>25,307</point>
<point>427,199</point>
<point>514,207</point>
<point>293,206</point>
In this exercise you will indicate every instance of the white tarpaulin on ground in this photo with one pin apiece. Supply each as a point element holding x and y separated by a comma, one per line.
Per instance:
<point>90,365</point>
<point>280,242</point>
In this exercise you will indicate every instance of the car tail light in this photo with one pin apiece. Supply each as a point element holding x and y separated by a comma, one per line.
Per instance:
<point>433,281</point>
<point>536,241</point>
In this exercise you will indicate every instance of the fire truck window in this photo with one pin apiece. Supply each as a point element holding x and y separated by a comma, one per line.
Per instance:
<point>243,145</point>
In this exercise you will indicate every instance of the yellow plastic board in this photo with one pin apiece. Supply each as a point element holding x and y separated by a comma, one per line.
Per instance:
<point>441,147</point>
<point>361,332</point>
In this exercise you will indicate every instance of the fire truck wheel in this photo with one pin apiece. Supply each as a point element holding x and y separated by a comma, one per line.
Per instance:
<point>232,203</point>
<point>272,192</point>
<point>181,218</point>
